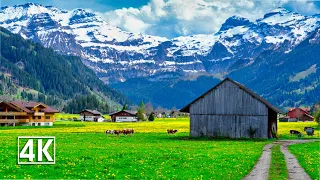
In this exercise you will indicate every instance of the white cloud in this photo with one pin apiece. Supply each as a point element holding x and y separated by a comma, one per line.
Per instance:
<point>172,18</point>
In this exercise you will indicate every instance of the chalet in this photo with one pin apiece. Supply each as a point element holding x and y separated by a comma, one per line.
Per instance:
<point>302,114</point>
<point>26,114</point>
<point>230,109</point>
<point>91,115</point>
<point>124,116</point>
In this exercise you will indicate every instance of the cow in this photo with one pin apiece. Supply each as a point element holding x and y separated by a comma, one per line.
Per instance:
<point>109,132</point>
<point>295,132</point>
<point>128,131</point>
<point>117,132</point>
<point>172,131</point>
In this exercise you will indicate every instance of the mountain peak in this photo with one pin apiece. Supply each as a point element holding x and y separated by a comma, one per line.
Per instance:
<point>234,21</point>
<point>26,5</point>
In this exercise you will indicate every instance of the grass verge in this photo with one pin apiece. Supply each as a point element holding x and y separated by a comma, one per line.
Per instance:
<point>278,168</point>
<point>308,155</point>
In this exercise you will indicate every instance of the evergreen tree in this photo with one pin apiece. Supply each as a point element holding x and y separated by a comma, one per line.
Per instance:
<point>124,107</point>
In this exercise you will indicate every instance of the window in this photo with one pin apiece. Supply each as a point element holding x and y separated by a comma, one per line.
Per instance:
<point>39,117</point>
<point>33,117</point>
<point>39,124</point>
<point>47,117</point>
<point>33,124</point>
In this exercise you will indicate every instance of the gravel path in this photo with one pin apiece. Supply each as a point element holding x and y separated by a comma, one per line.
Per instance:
<point>295,171</point>
<point>261,169</point>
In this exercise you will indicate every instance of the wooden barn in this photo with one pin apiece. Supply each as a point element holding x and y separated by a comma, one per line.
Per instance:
<point>230,109</point>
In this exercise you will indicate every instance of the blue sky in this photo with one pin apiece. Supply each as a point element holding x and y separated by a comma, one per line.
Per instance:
<point>172,18</point>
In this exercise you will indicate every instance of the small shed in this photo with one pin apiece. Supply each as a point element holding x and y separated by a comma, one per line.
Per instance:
<point>124,116</point>
<point>91,115</point>
<point>230,109</point>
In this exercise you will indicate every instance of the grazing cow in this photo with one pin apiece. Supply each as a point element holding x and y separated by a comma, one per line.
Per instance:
<point>117,132</point>
<point>172,131</point>
<point>128,131</point>
<point>109,132</point>
<point>295,132</point>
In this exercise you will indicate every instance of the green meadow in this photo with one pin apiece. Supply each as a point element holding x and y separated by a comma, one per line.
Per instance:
<point>84,151</point>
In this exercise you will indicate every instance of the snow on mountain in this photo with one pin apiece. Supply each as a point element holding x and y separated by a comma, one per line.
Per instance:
<point>117,55</point>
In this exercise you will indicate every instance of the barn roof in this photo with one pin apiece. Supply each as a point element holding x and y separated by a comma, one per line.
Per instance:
<point>127,111</point>
<point>187,107</point>
<point>94,112</point>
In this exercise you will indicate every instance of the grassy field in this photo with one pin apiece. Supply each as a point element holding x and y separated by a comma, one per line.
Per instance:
<point>285,127</point>
<point>84,151</point>
<point>278,168</point>
<point>308,155</point>
<point>59,116</point>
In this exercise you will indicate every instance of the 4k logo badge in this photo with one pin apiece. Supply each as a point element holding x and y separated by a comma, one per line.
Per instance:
<point>36,150</point>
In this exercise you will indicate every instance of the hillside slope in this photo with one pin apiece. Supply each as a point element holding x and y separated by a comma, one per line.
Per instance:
<point>28,68</point>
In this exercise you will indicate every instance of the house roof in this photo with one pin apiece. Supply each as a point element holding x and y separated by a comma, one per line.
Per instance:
<point>95,112</point>
<point>306,110</point>
<point>187,107</point>
<point>127,111</point>
<point>308,115</point>
<point>27,106</point>
<point>12,106</point>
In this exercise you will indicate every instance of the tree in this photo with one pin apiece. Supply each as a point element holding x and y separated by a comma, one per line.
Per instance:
<point>141,112</point>
<point>151,117</point>
<point>317,116</point>
<point>124,107</point>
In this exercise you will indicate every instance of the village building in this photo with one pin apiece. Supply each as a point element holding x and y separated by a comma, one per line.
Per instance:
<point>230,109</point>
<point>287,119</point>
<point>301,114</point>
<point>26,114</point>
<point>124,116</point>
<point>91,115</point>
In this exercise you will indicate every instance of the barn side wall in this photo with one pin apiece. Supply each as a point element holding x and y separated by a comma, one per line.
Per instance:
<point>228,111</point>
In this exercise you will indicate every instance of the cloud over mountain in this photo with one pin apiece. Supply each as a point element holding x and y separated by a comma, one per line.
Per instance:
<point>173,18</point>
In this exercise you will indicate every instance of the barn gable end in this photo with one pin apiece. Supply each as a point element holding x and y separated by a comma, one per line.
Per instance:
<point>230,110</point>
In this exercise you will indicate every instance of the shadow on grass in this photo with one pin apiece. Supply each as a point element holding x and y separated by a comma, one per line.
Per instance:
<point>188,138</point>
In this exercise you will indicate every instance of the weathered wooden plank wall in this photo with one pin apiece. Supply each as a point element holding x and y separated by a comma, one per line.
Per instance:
<point>228,111</point>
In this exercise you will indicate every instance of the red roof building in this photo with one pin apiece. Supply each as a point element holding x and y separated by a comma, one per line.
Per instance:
<point>300,113</point>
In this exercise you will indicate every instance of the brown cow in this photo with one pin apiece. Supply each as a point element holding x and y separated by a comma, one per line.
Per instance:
<point>109,132</point>
<point>117,132</point>
<point>172,131</point>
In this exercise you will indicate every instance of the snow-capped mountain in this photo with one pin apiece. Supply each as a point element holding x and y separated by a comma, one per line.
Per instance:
<point>118,56</point>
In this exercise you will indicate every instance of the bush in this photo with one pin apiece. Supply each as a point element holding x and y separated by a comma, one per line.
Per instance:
<point>151,117</point>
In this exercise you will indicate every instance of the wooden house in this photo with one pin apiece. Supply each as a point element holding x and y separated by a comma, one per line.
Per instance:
<point>229,109</point>
<point>301,114</point>
<point>91,115</point>
<point>124,116</point>
<point>26,114</point>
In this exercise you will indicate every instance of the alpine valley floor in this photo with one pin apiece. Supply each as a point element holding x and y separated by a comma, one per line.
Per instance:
<point>84,152</point>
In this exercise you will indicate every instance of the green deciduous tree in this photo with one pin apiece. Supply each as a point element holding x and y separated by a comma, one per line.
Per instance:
<point>141,112</point>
